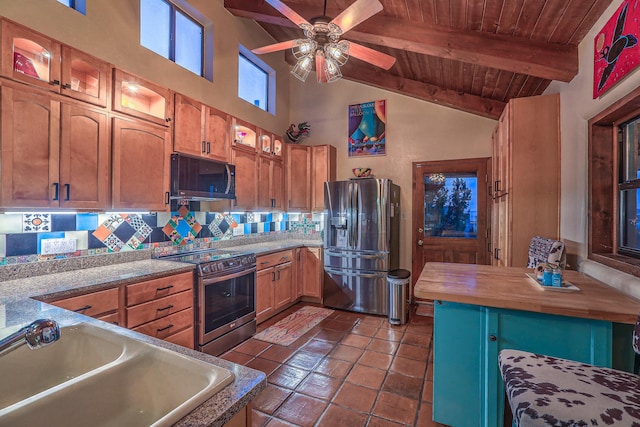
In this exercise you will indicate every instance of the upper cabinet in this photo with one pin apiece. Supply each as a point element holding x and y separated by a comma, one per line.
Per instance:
<point>200,130</point>
<point>323,159</point>
<point>270,145</point>
<point>298,172</point>
<point>34,59</point>
<point>140,98</point>
<point>54,154</point>
<point>244,134</point>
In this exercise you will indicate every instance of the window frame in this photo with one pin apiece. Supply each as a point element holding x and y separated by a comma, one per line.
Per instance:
<point>77,5</point>
<point>271,79</point>
<point>206,53</point>
<point>604,174</point>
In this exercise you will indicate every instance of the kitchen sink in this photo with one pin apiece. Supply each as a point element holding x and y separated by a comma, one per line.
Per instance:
<point>97,377</point>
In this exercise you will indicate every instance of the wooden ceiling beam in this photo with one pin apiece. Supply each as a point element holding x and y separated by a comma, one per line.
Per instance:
<point>550,61</point>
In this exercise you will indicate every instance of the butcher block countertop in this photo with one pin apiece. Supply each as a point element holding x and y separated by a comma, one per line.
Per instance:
<point>510,288</point>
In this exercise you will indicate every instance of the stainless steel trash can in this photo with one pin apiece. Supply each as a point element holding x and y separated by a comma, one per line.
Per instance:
<point>398,282</point>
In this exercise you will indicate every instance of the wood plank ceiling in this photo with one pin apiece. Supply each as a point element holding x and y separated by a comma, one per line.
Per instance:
<point>471,55</point>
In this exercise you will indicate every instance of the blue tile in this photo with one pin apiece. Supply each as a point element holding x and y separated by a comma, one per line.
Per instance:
<point>254,227</point>
<point>285,217</point>
<point>151,220</point>
<point>124,231</point>
<point>210,217</point>
<point>268,217</point>
<point>63,222</point>
<point>156,236</point>
<point>86,221</point>
<point>247,228</point>
<point>236,218</point>
<point>22,244</point>
<point>95,243</point>
<point>55,235</point>
<point>267,226</point>
<point>205,232</point>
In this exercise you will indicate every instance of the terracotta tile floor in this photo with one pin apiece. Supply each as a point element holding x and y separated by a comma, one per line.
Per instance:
<point>351,370</point>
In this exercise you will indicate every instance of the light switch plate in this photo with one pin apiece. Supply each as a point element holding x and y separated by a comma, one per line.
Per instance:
<point>57,246</point>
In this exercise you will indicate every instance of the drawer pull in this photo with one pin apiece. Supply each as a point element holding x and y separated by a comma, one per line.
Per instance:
<point>165,328</point>
<point>169,307</point>
<point>86,307</point>
<point>264,262</point>
<point>166,288</point>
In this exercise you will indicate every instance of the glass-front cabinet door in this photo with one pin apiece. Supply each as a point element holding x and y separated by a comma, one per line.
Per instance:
<point>84,77</point>
<point>140,98</point>
<point>30,57</point>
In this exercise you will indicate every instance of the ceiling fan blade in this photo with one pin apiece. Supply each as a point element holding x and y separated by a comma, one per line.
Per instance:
<point>288,12</point>
<point>359,11</point>
<point>274,47</point>
<point>320,72</point>
<point>371,56</point>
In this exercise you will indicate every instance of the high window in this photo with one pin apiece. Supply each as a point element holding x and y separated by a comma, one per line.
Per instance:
<point>78,5</point>
<point>256,81</point>
<point>614,185</point>
<point>172,33</point>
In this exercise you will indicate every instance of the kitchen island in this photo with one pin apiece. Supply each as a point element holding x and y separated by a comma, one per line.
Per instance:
<point>480,310</point>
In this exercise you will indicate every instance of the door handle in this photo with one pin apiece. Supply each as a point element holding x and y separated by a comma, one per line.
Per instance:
<point>420,230</point>
<point>420,243</point>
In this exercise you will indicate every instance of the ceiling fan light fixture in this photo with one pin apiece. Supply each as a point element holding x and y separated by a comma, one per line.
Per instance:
<point>331,70</point>
<point>339,52</point>
<point>304,47</point>
<point>302,67</point>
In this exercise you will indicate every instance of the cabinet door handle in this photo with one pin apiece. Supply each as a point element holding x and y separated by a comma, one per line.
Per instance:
<point>166,202</point>
<point>278,274</point>
<point>57,191</point>
<point>68,188</point>
<point>273,276</point>
<point>493,338</point>
<point>169,307</point>
<point>165,328</point>
<point>496,253</point>
<point>204,147</point>
<point>208,147</point>
<point>165,288</point>
<point>85,308</point>
<point>54,82</point>
<point>66,86</point>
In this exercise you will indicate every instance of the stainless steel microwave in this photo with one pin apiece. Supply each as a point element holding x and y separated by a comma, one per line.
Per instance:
<point>196,178</point>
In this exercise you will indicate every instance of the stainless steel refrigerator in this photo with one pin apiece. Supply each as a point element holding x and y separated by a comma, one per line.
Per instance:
<point>361,233</point>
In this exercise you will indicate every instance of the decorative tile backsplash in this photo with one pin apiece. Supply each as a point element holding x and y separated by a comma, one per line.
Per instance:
<point>21,235</point>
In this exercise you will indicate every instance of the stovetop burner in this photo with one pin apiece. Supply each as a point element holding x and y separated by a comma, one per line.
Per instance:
<point>216,261</point>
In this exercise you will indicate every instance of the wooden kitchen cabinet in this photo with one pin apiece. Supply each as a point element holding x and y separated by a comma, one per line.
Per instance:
<point>163,308</point>
<point>526,178</point>
<point>54,154</point>
<point>298,177</point>
<point>323,159</point>
<point>141,165</point>
<point>244,134</point>
<point>103,305</point>
<point>140,98</point>
<point>309,273</point>
<point>274,284</point>
<point>32,58</point>
<point>247,170</point>
<point>200,130</point>
<point>270,183</point>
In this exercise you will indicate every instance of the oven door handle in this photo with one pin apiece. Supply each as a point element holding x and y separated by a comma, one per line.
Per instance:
<point>209,280</point>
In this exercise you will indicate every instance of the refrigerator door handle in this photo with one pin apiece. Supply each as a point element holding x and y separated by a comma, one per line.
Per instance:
<point>353,273</point>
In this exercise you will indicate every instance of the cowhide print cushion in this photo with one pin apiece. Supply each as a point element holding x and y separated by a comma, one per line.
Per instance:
<point>548,391</point>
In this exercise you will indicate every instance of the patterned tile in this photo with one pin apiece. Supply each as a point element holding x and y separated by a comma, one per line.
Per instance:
<point>34,222</point>
<point>182,228</point>
<point>222,227</point>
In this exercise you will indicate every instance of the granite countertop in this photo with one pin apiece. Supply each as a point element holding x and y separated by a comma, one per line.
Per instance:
<point>21,294</point>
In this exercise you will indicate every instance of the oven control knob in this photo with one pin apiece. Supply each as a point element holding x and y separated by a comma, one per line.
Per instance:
<point>205,268</point>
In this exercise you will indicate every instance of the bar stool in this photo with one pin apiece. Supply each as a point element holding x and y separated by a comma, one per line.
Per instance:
<point>549,391</point>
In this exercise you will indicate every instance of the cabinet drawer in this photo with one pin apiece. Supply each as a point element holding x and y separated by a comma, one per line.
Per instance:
<point>159,308</point>
<point>157,288</point>
<point>184,338</point>
<point>93,304</point>
<point>110,318</point>
<point>266,261</point>
<point>167,326</point>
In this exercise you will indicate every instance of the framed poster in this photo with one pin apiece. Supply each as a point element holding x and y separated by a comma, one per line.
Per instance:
<point>367,129</point>
<point>616,50</point>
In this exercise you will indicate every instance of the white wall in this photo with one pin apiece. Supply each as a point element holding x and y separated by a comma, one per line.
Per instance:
<point>416,131</point>
<point>111,31</point>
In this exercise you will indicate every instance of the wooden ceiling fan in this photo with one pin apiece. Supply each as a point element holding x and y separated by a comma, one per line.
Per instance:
<point>322,44</point>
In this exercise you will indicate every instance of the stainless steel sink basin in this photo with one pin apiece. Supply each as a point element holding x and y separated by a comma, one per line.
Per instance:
<point>118,381</point>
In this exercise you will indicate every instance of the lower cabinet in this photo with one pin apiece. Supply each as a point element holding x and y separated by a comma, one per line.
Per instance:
<point>163,308</point>
<point>101,305</point>
<point>274,284</point>
<point>467,386</point>
<point>309,273</point>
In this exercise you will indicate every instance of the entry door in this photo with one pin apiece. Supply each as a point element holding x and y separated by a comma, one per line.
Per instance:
<point>450,212</point>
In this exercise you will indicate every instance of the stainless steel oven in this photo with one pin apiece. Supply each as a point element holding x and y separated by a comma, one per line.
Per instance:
<point>225,289</point>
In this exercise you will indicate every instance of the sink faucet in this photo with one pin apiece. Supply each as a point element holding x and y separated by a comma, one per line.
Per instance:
<point>38,334</point>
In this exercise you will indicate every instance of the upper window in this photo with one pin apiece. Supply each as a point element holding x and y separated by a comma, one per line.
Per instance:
<point>78,5</point>
<point>170,32</point>
<point>256,81</point>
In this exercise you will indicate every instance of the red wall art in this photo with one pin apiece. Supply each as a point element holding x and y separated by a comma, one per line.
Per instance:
<point>616,50</point>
